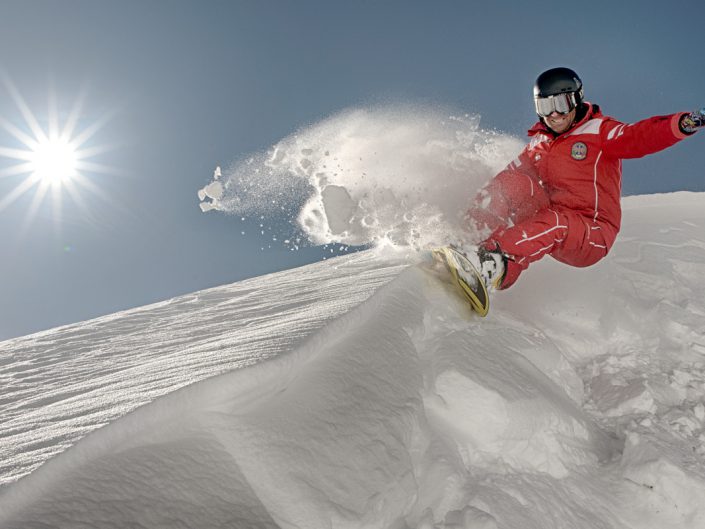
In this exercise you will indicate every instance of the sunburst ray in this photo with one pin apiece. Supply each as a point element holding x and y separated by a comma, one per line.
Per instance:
<point>56,161</point>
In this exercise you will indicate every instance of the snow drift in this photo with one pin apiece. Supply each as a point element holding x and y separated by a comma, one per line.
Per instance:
<point>361,392</point>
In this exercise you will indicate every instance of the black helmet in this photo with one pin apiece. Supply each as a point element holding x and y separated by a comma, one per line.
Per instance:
<point>554,82</point>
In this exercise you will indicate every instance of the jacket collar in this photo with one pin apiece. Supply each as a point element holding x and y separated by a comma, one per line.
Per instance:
<point>593,111</point>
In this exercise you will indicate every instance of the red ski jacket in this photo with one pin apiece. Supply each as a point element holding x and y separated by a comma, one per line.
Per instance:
<point>581,169</point>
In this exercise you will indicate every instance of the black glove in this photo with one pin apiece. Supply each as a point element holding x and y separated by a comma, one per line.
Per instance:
<point>689,123</point>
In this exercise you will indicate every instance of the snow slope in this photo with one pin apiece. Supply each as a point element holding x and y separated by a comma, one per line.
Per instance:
<point>364,393</point>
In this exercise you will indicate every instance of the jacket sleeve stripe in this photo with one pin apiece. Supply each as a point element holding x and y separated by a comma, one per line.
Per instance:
<point>594,182</point>
<point>616,132</point>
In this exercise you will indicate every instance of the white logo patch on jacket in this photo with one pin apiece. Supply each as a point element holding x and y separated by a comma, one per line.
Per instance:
<point>578,151</point>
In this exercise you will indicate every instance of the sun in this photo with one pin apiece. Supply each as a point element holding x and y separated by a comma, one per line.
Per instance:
<point>54,161</point>
<point>56,156</point>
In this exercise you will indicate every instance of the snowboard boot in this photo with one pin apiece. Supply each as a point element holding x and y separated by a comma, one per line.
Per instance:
<point>490,263</point>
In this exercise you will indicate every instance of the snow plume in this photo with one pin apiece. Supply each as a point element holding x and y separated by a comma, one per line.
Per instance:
<point>401,175</point>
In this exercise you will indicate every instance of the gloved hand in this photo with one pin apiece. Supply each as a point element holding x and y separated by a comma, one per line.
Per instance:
<point>693,121</point>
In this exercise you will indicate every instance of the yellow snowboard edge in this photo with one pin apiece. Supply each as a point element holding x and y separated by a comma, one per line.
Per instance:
<point>478,296</point>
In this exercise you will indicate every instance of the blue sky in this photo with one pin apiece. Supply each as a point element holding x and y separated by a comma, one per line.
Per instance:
<point>183,86</point>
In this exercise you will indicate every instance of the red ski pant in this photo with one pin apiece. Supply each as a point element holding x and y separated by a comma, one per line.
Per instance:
<point>527,226</point>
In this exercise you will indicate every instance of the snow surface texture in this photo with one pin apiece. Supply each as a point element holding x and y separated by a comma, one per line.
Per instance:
<point>396,174</point>
<point>578,403</point>
<point>91,373</point>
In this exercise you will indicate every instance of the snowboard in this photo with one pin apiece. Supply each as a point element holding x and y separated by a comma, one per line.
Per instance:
<point>465,277</point>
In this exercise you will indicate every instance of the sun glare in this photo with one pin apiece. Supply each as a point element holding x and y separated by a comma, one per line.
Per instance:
<point>55,157</point>
<point>54,161</point>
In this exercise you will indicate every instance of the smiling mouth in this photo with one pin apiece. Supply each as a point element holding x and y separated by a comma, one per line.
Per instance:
<point>557,122</point>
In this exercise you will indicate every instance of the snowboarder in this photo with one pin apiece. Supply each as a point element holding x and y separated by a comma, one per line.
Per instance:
<point>561,195</point>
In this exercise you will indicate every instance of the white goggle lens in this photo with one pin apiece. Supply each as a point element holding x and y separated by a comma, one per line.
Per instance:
<point>561,103</point>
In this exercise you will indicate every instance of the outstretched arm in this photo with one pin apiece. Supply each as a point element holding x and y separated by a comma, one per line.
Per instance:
<point>620,140</point>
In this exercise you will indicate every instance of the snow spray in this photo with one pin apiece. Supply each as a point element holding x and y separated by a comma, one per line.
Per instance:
<point>400,175</point>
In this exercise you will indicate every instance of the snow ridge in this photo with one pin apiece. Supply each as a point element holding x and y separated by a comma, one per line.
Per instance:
<point>578,403</point>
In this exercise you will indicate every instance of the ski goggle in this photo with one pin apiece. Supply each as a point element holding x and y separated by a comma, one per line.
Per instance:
<point>561,103</point>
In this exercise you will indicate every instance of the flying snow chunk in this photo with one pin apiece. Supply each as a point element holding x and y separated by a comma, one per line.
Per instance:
<point>213,191</point>
<point>339,208</point>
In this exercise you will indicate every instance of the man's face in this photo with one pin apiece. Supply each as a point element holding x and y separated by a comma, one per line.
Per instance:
<point>559,123</point>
